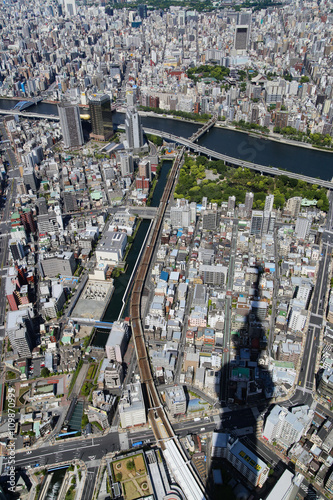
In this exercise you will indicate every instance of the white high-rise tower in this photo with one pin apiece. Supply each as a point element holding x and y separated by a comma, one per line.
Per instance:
<point>133,127</point>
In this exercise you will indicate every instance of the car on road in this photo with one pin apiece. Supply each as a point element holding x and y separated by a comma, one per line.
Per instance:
<point>28,452</point>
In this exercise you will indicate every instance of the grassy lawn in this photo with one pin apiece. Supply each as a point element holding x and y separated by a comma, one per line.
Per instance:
<point>130,491</point>
<point>139,464</point>
<point>138,471</point>
<point>11,375</point>
<point>92,371</point>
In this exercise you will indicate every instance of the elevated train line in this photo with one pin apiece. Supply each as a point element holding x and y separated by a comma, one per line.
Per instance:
<point>163,431</point>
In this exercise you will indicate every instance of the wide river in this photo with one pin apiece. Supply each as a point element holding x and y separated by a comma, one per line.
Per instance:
<point>311,162</point>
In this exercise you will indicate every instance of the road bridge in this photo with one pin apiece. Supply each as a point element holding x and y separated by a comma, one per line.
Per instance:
<point>263,169</point>
<point>27,114</point>
<point>92,322</point>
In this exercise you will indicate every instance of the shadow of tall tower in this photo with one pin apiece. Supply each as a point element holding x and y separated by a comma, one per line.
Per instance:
<point>239,457</point>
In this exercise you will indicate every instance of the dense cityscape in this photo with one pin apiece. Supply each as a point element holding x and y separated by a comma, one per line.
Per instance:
<point>166,305</point>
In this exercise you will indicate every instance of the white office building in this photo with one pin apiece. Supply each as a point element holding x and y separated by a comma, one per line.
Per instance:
<point>287,427</point>
<point>111,248</point>
<point>303,226</point>
<point>180,214</point>
<point>176,400</point>
<point>133,127</point>
<point>132,407</point>
<point>117,341</point>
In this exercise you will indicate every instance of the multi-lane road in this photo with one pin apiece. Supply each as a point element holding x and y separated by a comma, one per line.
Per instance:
<point>306,380</point>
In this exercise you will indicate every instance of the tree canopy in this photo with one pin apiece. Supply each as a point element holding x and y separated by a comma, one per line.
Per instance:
<point>224,181</point>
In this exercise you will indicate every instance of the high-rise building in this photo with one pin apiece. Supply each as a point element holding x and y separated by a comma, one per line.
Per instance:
<point>133,127</point>
<point>71,126</point>
<point>242,35</point>
<point>329,483</point>
<point>16,249</point>
<point>265,222</point>
<point>144,169</point>
<point>281,119</point>
<point>126,164</point>
<point>101,117</point>
<point>176,400</point>
<point>285,426</point>
<point>248,203</point>
<point>70,202</point>
<point>70,8</point>
<point>20,330</point>
<point>254,114</point>
<point>27,220</point>
<point>269,201</point>
<point>245,18</point>
<point>231,203</point>
<point>209,220</point>
<point>302,229</point>
<point>142,11</point>
<point>180,214</point>
<point>294,205</point>
<point>132,407</point>
<point>58,263</point>
<point>29,179</point>
<point>257,222</point>
<point>115,346</point>
<point>42,206</point>
<point>244,460</point>
<point>213,275</point>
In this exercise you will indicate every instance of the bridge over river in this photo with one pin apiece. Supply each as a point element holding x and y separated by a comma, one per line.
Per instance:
<point>236,161</point>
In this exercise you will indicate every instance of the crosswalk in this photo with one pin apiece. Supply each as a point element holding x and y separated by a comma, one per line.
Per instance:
<point>59,453</point>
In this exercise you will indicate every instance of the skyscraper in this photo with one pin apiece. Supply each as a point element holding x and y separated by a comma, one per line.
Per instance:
<point>71,126</point>
<point>134,134</point>
<point>248,203</point>
<point>242,37</point>
<point>142,11</point>
<point>256,222</point>
<point>101,117</point>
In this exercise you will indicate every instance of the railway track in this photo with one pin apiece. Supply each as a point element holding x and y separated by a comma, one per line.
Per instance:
<point>165,437</point>
<point>155,410</point>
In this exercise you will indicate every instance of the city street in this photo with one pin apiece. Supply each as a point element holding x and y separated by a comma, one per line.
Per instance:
<point>86,449</point>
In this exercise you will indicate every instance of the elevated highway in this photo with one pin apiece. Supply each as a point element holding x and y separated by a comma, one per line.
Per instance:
<point>28,114</point>
<point>237,161</point>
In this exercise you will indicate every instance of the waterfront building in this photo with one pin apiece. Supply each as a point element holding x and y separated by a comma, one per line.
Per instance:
<point>133,127</point>
<point>101,117</point>
<point>71,126</point>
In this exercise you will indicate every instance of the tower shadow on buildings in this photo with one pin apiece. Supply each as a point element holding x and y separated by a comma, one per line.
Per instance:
<point>241,465</point>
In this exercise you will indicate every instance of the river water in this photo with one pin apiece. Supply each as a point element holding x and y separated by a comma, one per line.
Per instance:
<point>304,161</point>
